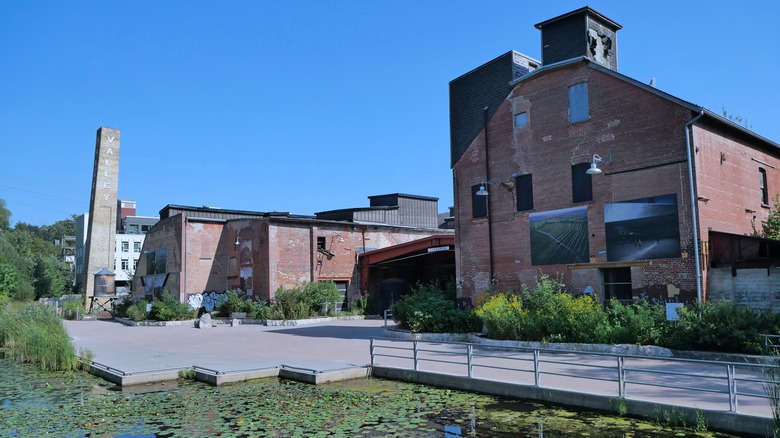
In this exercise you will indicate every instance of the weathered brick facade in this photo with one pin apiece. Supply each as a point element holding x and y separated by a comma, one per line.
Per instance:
<point>260,254</point>
<point>639,133</point>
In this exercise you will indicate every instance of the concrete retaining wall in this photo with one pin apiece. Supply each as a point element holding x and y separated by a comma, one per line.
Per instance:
<point>725,421</point>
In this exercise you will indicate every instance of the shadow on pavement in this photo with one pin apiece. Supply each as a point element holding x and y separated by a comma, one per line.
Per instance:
<point>329,331</point>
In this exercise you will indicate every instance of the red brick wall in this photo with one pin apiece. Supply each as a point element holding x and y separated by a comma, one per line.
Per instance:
<point>642,133</point>
<point>728,184</point>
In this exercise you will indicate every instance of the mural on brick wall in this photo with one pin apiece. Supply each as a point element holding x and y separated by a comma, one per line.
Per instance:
<point>207,300</point>
<point>559,236</point>
<point>642,229</point>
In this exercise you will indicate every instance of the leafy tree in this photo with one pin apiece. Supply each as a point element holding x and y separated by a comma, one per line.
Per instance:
<point>14,284</point>
<point>772,223</point>
<point>50,275</point>
<point>5,216</point>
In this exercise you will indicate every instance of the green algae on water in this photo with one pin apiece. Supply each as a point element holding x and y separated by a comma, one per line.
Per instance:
<point>34,403</point>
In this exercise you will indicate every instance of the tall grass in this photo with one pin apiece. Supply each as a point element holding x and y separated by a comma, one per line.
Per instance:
<point>35,334</point>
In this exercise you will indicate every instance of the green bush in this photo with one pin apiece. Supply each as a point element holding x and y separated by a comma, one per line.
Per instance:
<point>35,334</point>
<point>137,311</point>
<point>168,308</point>
<point>359,305</point>
<point>544,313</point>
<point>307,300</point>
<point>236,303</point>
<point>643,323</point>
<point>427,309</point>
<point>547,313</point>
<point>71,309</point>
<point>133,310</point>
<point>721,327</point>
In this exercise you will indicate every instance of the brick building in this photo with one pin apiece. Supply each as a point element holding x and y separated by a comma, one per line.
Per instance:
<point>569,168</point>
<point>193,250</point>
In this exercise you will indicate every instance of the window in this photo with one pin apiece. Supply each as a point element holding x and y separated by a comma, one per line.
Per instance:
<point>135,264</point>
<point>581,186</point>
<point>125,264</point>
<point>145,228</point>
<point>521,120</point>
<point>125,246</point>
<point>764,188</point>
<point>321,242</point>
<point>578,102</point>
<point>525,192</point>
<point>136,246</point>
<point>617,284</point>
<point>478,203</point>
<point>156,261</point>
<point>132,229</point>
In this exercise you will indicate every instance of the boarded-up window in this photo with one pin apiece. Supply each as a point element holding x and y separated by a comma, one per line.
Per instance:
<point>578,102</point>
<point>521,120</point>
<point>581,187</point>
<point>478,203</point>
<point>525,192</point>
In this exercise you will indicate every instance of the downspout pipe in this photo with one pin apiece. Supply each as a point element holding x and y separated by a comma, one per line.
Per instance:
<point>487,199</point>
<point>694,206</point>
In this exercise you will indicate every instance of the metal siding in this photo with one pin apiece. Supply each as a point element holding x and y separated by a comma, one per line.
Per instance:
<point>564,39</point>
<point>486,86</point>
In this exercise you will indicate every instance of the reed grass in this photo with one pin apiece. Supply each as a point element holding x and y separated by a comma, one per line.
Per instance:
<point>35,334</point>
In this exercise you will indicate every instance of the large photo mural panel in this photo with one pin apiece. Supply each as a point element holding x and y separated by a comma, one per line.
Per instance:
<point>559,236</point>
<point>641,229</point>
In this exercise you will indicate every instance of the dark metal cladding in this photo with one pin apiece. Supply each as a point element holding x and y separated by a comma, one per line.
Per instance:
<point>485,86</point>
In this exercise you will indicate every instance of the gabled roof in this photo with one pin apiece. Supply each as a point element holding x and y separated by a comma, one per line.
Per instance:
<point>586,9</point>
<point>707,114</point>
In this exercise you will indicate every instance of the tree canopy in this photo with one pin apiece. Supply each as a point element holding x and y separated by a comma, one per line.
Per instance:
<point>31,264</point>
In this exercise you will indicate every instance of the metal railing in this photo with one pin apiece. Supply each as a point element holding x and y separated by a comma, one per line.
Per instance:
<point>731,379</point>
<point>387,314</point>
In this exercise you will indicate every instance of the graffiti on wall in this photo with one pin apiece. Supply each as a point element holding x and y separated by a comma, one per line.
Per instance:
<point>207,300</point>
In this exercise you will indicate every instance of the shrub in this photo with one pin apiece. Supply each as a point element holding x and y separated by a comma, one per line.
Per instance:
<point>137,311</point>
<point>133,310</point>
<point>234,302</point>
<point>322,296</point>
<point>544,313</point>
<point>35,334</point>
<point>358,305</point>
<point>503,315</point>
<point>168,308</point>
<point>643,323</point>
<point>722,327</point>
<point>427,309</point>
<point>307,300</point>
<point>71,309</point>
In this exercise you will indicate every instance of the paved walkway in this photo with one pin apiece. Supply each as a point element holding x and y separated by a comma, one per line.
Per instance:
<point>325,346</point>
<point>340,344</point>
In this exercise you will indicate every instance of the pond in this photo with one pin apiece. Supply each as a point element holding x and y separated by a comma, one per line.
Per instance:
<point>33,403</point>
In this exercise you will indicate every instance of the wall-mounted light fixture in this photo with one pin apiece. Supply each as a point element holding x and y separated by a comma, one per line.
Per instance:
<point>594,170</point>
<point>508,183</point>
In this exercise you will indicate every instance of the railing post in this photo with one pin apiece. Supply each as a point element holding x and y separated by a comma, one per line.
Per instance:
<point>537,371</point>
<point>470,359</point>
<point>621,377</point>
<point>385,314</point>
<point>416,358</point>
<point>732,382</point>
<point>371,348</point>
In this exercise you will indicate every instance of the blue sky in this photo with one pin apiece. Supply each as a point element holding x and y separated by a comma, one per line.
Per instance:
<point>306,106</point>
